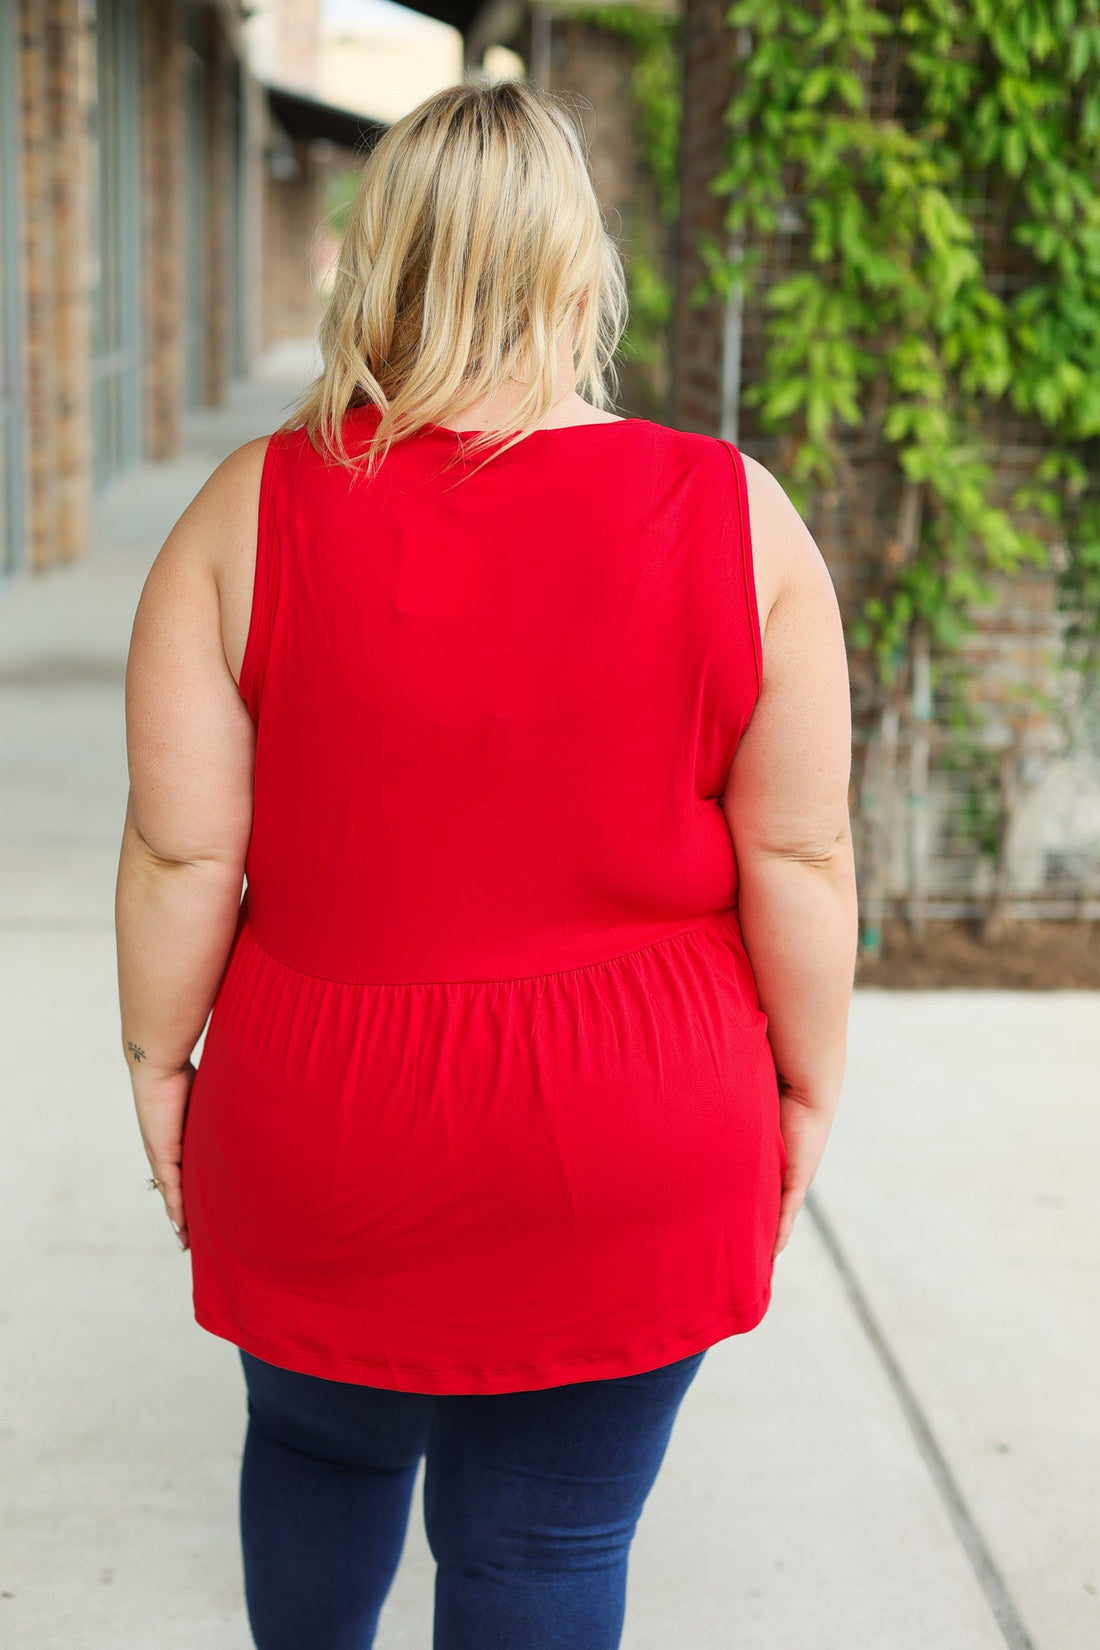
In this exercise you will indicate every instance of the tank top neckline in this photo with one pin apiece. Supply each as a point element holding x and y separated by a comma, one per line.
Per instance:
<point>543,429</point>
<point>550,429</point>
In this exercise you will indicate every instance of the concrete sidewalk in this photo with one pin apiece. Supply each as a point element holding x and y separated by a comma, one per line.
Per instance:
<point>905,1454</point>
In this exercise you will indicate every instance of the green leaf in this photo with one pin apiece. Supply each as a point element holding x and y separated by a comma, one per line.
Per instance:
<point>785,398</point>
<point>816,86</point>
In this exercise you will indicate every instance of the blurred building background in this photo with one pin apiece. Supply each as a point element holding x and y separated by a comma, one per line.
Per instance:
<point>164,175</point>
<point>159,201</point>
<point>171,178</point>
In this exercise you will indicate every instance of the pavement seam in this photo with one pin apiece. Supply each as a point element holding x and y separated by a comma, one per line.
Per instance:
<point>982,1562</point>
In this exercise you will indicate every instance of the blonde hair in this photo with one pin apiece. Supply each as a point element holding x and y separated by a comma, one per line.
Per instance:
<point>474,234</point>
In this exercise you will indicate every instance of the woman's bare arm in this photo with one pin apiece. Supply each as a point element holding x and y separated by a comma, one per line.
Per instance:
<point>786,803</point>
<point>188,817</point>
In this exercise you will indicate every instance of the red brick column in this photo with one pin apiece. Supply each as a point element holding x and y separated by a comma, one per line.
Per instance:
<point>70,82</point>
<point>219,225</point>
<point>40,365</point>
<point>162,230</point>
<point>56,75</point>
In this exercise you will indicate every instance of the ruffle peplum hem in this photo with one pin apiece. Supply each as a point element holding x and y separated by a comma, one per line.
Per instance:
<point>578,1174</point>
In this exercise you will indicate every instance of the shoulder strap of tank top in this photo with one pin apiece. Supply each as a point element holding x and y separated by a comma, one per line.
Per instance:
<point>744,555</point>
<point>265,580</point>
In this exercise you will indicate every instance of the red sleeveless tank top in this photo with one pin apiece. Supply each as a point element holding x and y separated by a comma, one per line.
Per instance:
<point>486,1101</point>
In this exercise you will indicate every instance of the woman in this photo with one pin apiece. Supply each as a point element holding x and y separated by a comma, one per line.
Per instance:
<point>540,788</point>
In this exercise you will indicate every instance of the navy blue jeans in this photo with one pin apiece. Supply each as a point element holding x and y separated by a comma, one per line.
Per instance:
<point>530,1504</point>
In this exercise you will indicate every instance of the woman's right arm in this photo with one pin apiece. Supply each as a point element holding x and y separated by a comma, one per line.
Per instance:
<point>786,803</point>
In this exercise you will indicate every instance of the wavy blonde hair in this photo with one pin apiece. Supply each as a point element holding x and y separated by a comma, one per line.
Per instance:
<point>474,234</point>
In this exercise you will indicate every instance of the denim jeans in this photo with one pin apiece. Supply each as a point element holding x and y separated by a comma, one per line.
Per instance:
<point>530,1504</point>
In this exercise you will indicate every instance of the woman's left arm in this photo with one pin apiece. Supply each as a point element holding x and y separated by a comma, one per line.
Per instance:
<point>190,745</point>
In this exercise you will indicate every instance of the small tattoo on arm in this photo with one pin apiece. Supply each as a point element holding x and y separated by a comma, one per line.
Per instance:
<point>138,1053</point>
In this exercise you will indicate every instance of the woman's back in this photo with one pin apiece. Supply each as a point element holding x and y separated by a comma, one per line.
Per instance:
<point>496,711</point>
<point>486,1100</point>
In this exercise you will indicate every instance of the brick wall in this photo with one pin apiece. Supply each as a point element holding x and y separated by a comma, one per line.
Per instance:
<point>56,75</point>
<point>40,276</point>
<point>290,189</point>
<point>218,227</point>
<point>162,181</point>
<point>69,91</point>
<point>292,205</point>
<point>1017,639</point>
<point>296,31</point>
<point>695,396</point>
<point>57,161</point>
<point>592,68</point>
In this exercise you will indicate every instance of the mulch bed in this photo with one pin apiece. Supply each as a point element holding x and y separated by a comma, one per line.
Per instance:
<point>1027,956</point>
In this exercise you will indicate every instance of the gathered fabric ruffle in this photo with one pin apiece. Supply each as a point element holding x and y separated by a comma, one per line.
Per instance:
<point>577,1174</point>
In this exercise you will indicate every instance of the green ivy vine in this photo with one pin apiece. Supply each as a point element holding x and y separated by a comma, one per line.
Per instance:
<point>894,326</point>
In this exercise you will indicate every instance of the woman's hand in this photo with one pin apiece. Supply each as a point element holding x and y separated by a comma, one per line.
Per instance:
<point>805,1128</point>
<point>161,1101</point>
